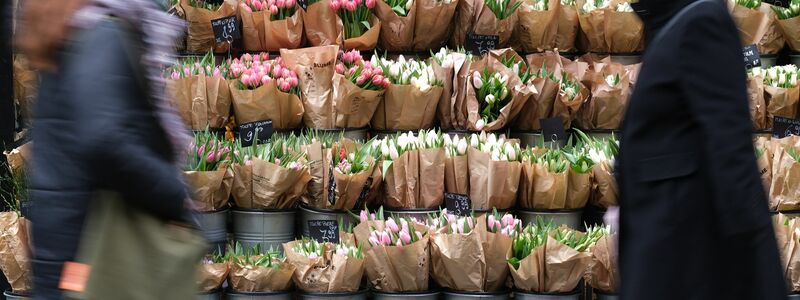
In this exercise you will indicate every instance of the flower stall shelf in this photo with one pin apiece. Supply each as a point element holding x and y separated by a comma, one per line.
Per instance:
<point>255,276</point>
<point>200,92</point>
<point>612,27</point>
<point>212,272</point>
<point>199,13</point>
<point>269,180</point>
<point>377,295</point>
<point>326,270</point>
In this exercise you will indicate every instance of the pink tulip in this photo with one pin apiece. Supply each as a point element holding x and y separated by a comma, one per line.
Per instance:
<point>285,86</point>
<point>257,5</point>
<point>280,3</point>
<point>403,225</point>
<point>312,255</point>
<point>405,237</point>
<point>392,225</point>
<point>359,2</point>
<point>293,81</point>
<point>378,71</point>
<point>265,80</point>
<point>361,79</point>
<point>386,83</point>
<point>363,216</point>
<point>247,57</point>
<point>370,4</point>
<point>385,239</point>
<point>248,163</point>
<point>273,10</point>
<point>508,220</point>
<point>340,68</point>
<point>335,5</point>
<point>374,241</point>
<point>372,216</point>
<point>290,3</point>
<point>216,72</point>
<point>277,71</point>
<point>286,73</point>
<point>176,75</point>
<point>366,72</point>
<point>350,6</point>
<point>504,231</point>
<point>352,71</point>
<point>470,223</point>
<point>211,157</point>
<point>277,161</point>
<point>490,221</point>
<point>377,80</point>
<point>245,78</point>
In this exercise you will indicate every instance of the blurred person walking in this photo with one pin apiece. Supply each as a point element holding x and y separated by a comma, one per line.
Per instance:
<point>105,133</point>
<point>694,221</point>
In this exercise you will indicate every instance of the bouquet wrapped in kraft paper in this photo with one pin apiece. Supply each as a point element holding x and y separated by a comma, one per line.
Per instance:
<point>319,22</point>
<point>789,25</point>
<point>611,89</point>
<point>456,165</point>
<point>784,191</point>
<point>359,25</point>
<point>212,273</point>
<point>315,67</point>
<point>397,18</point>
<point>764,157</point>
<point>559,91</point>
<point>552,179</point>
<point>757,103</point>
<point>603,272</point>
<point>781,91</point>
<point>200,92</point>
<point>758,25</point>
<point>434,21</point>
<point>467,255</point>
<point>568,26</point>
<point>15,252</point>
<point>325,267</point>
<point>271,25</point>
<point>271,96</point>
<point>354,178</point>
<point>493,95</point>
<point>413,95</point>
<point>602,153</point>
<point>260,273</point>
<point>208,173</point>
<point>26,83</point>
<point>786,232</point>
<point>200,34</point>
<point>494,173</point>
<point>270,176</point>
<point>611,28</point>
<point>413,170</point>
<point>485,17</point>
<point>538,25</point>
<point>19,158</point>
<point>319,154</point>
<point>358,89</point>
<point>449,65</point>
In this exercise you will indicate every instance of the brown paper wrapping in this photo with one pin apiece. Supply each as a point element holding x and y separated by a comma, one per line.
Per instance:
<point>785,188</point>
<point>210,190</point>
<point>284,34</point>
<point>758,106</point>
<point>19,158</point>
<point>26,83</point>
<point>765,167</point>
<point>520,94</point>
<point>605,191</point>
<point>267,102</point>
<point>265,185</point>
<point>450,89</point>
<point>405,107</point>
<point>366,41</point>
<point>781,102</point>
<point>200,37</point>
<point>606,108</point>
<point>492,183</point>
<point>353,106</point>
<point>579,187</point>
<point>791,32</point>
<point>399,269</point>
<point>349,187</point>
<point>315,67</point>
<point>487,24</point>
<point>416,179</point>
<point>758,26</point>
<point>15,252</point>
<point>603,273</point>
<point>537,30</point>
<point>462,82</point>
<point>329,274</point>
<point>610,31</point>
<point>551,268</point>
<point>397,32</point>
<point>253,29</point>
<point>320,25</point>
<point>789,248</point>
<point>211,276</point>
<point>316,194</point>
<point>568,27</point>
<point>202,101</point>
<point>462,21</point>
<point>539,106</point>
<point>433,23</point>
<point>567,108</point>
<point>261,279</point>
<point>542,189</point>
<point>456,175</point>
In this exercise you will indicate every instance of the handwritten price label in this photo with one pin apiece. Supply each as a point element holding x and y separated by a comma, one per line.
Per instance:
<point>324,231</point>
<point>783,127</point>
<point>226,29</point>
<point>478,44</point>
<point>752,58</point>
<point>251,132</point>
<point>458,204</point>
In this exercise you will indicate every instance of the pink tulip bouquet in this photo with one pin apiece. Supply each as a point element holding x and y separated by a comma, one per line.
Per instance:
<point>358,89</point>
<point>253,72</point>
<point>207,173</point>
<point>271,24</point>
<point>192,81</point>
<point>278,9</point>
<point>265,90</point>
<point>354,14</point>
<point>363,73</point>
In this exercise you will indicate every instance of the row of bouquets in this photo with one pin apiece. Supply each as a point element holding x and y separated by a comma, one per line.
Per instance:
<point>324,88</point>
<point>403,255</point>
<point>421,25</point>
<point>772,92</point>
<point>15,251</point>
<point>779,165</point>
<point>759,25</point>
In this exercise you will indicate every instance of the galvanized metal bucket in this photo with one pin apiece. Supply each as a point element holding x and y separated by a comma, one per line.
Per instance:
<point>571,218</point>
<point>534,139</point>
<point>309,214</point>
<point>433,295</point>
<point>603,296</point>
<point>419,214</point>
<point>519,295</point>
<point>212,295</point>
<point>230,295</point>
<point>214,225</point>
<point>626,59</point>
<point>11,296</point>
<point>356,134</point>
<point>455,295</point>
<point>793,297</point>
<point>794,58</point>
<point>769,60</point>
<point>359,295</point>
<point>269,229</point>
<point>481,212</point>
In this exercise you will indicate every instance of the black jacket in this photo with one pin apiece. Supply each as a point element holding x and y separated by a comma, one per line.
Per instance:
<point>694,222</point>
<point>94,129</point>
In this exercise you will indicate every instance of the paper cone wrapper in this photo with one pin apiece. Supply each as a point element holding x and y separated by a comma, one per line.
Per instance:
<point>567,108</point>
<point>605,191</point>
<point>397,32</point>
<point>758,26</point>
<point>15,252</point>
<point>603,272</point>
<point>530,275</point>
<point>362,230</point>
<point>781,102</point>
<point>401,179</point>
<point>624,32</point>
<point>542,189</point>
<point>320,25</point>
<point>261,279</point>
<point>789,247</point>
<point>253,29</point>
<point>349,187</point>
<point>773,40</point>
<point>608,103</point>
<point>329,274</point>
<point>463,21</point>
<point>487,24</point>
<point>537,30</point>
<point>200,35</point>
<point>520,94</point>
<point>210,190</point>
<point>26,83</point>
<point>211,276</point>
<point>18,158</point>
<point>431,178</point>
<point>286,33</point>
<point>445,103</point>
<point>459,112</point>
<point>568,27</point>
<point>267,103</point>
<point>315,66</point>
<point>399,269</point>
<point>785,189</point>
<point>579,186</point>
<point>347,238</point>
<point>265,185</point>
<point>765,164</point>
<point>458,261</point>
<point>189,99</point>
<point>405,107</point>
<point>456,175</point>
<point>366,41</point>
<point>492,183</point>
<point>433,23</point>
<point>316,194</point>
<point>497,249</point>
<point>791,32</point>
<point>353,106</point>
<point>539,106</point>
<point>758,106</point>
<point>592,25</point>
<point>564,267</point>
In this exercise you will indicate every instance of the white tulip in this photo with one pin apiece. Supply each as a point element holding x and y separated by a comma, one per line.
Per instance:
<point>504,94</point>
<point>431,139</point>
<point>448,140</point>
<point>462,147</point>
<point>512,154</point>
<point>782,79</point>
<point>611,80</point>
<point>482,136</point>
<point>385,150</point>
<point>394,70</point>
<point>793,81</point>
<point>495,155</point>
<point>490,98</point>
<point>424,87</point>
<point>393,153</point>
<point>479,124</point>
<point>491,139</point>
<point>401,59</point>
<point>515,68</point>
<point>473,140</point>
<point>476,80</point>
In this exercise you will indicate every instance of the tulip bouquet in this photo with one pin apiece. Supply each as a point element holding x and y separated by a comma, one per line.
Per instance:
<point>207,172</point>
<point>413,169</point>
<point>360,28</point>
<point>411,99</point>
<point>781,92</point>
<point>270,24</point>
<point>784,187</point>
<point>397,24</point>
<point>199,14</point>
<point>544,180</point>
<point>568,25</point>
<point>789,23</point>
<point>788,236</point>
<point>364,74</point>
<point>212,272</point>
<point>433,20</point>
<point>325,267</point>
<point>354,177</point>
<point>494,171</point>
<point>503,9</point>
<point>456,169</point>
<point>265,90</point>
<point>319,147</point>
<point>15,256</point>
<point>200,92</point>
<point>251,271</point>
<point>758,24</point>
<point>602,153</point>
<point>603,271</point>
<point>538,24</point>
<point>612,86</point>
<point>209,5</point>
<point>611,27</point>
<point>505,224</point>
<point>485,17</point>
<point>448,66</point>
<point>755,97</point>
<point>494,94</point>
<point>358,89</point>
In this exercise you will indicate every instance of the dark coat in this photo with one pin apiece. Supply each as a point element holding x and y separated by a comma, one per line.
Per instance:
<point>694,221</point>
<point>94,129</point>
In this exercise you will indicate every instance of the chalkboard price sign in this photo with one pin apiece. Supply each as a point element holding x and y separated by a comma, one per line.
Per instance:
<point>458,204</point>
<point>226,29</point>
<point>251,132</point>
<point>324,231</point>
<point>479,44</point>
<point>752,58</point>
<point>783,127</point>
<point>553,129</point>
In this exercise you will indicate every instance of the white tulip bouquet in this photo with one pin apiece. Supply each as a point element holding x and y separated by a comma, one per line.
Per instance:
<point>410,102</point>
<point>494,171</point>
<point>414,169</point>
<point>781,92</point>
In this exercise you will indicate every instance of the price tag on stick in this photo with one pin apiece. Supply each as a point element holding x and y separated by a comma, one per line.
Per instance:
<point>324,231</point>
<point>479,44</point>
<point>553,129</point>
<point>226,29</point>
<point>752,58</point>
<point>260,131</point>
<point>783,127</point>
<point>458,204</point>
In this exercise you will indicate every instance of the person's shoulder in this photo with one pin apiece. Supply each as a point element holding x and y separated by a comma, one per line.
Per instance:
<point>105,34</point>
<point>709,12</point>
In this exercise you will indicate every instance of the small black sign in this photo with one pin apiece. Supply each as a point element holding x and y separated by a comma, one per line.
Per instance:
<point>458,204</point>
<point>752,58</point>
<point>479,44</point>
<point>303,4</point>
<point>553,129</point>
<point>324,231</point>
<point>258,130</point>
<point>783,127</point>
<point>331,185</point>
<point>364,193</point>
<point>782,3</point>
<point>226,29</point>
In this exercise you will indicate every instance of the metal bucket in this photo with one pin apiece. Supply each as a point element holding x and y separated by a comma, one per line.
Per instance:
<point>571,218</point>
<point>270,229</point>
<point>11,296</point>
<point>359,295</point>
<point>518,295</point>
<point>402,296</point>
<point>214,225</point>
<point>769,60</point>
<point>454,295</point>
<point>230,295</point>
<point>603,296</point>
<point>356,134</point>
<point>481,212</point>
<point>309,214</point>
<point>793,297</point>
<point>212,295</point>
<point>419,214</point>
<point>626,59</point>
<point>789,214</point>
<point>534,139</point>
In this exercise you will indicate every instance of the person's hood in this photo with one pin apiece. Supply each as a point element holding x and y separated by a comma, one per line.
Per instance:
<point>656,13</point>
